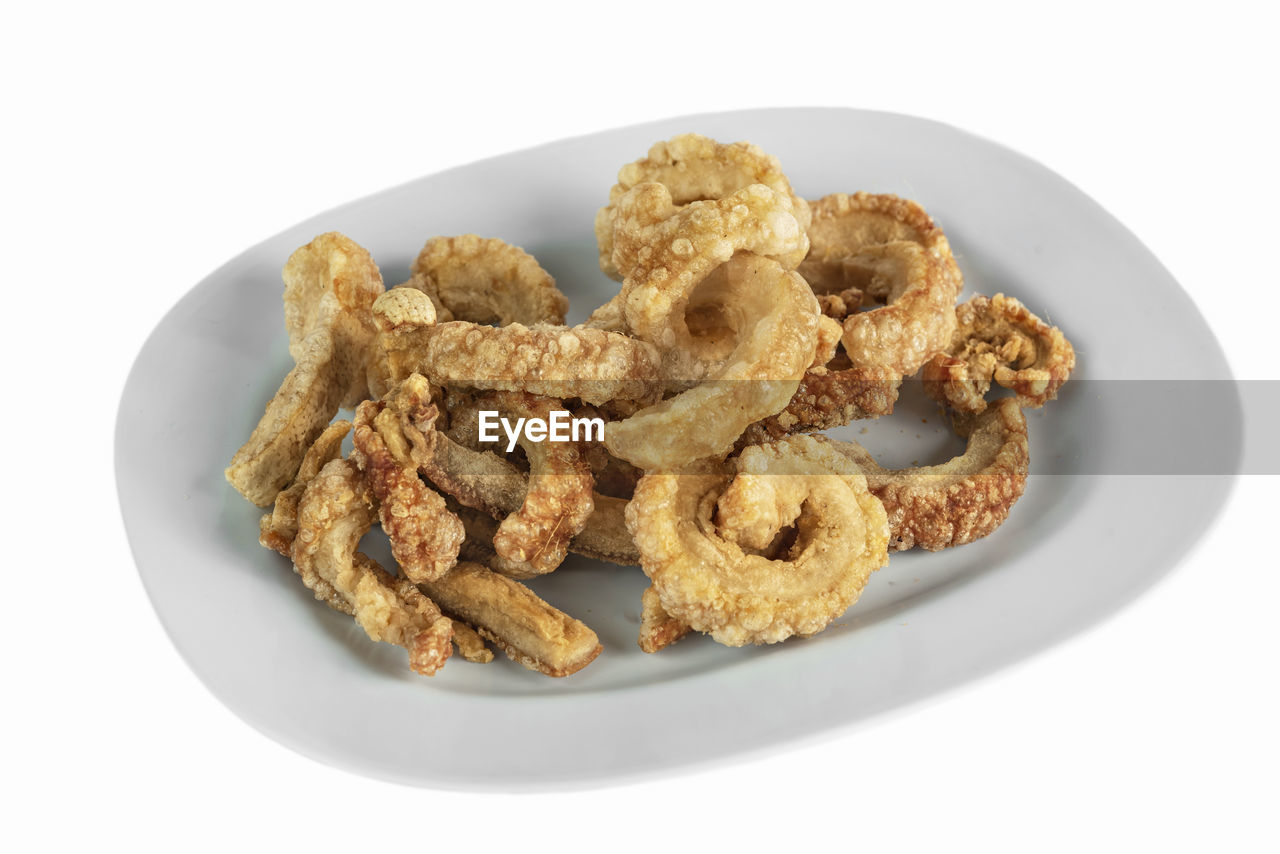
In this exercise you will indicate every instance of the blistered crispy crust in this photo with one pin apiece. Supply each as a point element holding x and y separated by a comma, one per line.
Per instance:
<point>844,225</point>
<point>485,280</point>
<point>469,643</point>
<point>333,281</point>
<point>294,418</point>
<point>558,499</point>
<point>998,338</point>
<point>776,342</point>
<point>425,536</point>
<point>675,249</point>
<point>693,168</point>
<point>333,516</point>
<point>707,538</point>
<point>959,501</point>
<point>658,629</point>
<point>277,529</point>
<point>555,361</point>
<point>531,632</point>
<point>827,398</point>
<point>919,317</point>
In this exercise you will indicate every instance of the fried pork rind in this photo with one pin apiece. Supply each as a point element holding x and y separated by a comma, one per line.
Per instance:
<point>771,321</point>
<point>540,512</point>
<point>330,285</point>
<point>692,168</point>
<point>277,529</point>
<point>676,250</point>
<point>334,514</point>
<point>715,540</point>
<point>558,499</point>
<point>843,226</point>
<point>425,537</point>
<point>998,338</point>
<point>484,280</point>
<point>963,499</point>
<point>531,632</point>
<point>332,281</point>
<point>556,361</point>
<point>658,629</point>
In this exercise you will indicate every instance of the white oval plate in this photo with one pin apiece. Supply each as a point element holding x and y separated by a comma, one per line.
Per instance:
<point>1082,542</point>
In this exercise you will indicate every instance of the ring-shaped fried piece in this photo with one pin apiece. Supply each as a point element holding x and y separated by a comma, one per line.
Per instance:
<point>486,280</point>
<point>998,338</point>
<point>677,248</point>
<point>760,376</point>
<point>963,499</point>
<point>714,540</point>
<point>693,168</point>
<point>918,319</point>
<point>844,225</point>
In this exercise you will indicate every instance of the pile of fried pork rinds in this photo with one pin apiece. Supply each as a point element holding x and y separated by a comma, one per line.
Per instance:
<point>748,321</point>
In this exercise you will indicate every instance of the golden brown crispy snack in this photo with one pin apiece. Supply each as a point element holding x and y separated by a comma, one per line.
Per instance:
<point>998,338</point>
<point>963,499</point>
<point>330,285</point>
<point>677,249</point>
<point>555,361</point>
<point>692,168</point>
<point>843,226</point>
<point>777,542</point>
<point>333,516</point>
<point>918,318</point>
<point>332,281</point>
<point>425,536</point>
<point>277,529</point>
<point>658,629</point>
<point>531,632</point>
<point>484,280</point>
<point>776,323</point>
<point>558,498</point>
<point>469,643</point>
<point>295,417</point>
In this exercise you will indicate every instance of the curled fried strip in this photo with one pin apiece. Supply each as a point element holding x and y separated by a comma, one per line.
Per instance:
<point>777,342</point>
<point>919,317</point>
<point>555,361</point>
<point>692,168</point>
<point>484,481</point>
<point>332,517</point>
<point>998,338</point>
<point>277,529</point>
<point>425,536</point>
<point>716,540</point>
<point>963,499</point>
<point>558,498</point>
<point>658,629</point>
<point>531,632</point>
<point>485,280</point>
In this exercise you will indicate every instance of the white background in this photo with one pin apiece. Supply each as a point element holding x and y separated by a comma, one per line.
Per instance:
<point>144,146</point>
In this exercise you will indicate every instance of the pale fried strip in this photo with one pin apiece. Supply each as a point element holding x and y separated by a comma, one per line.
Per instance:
<point>333,515</point>
<point>296,415</point>
<point>531,632</point>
